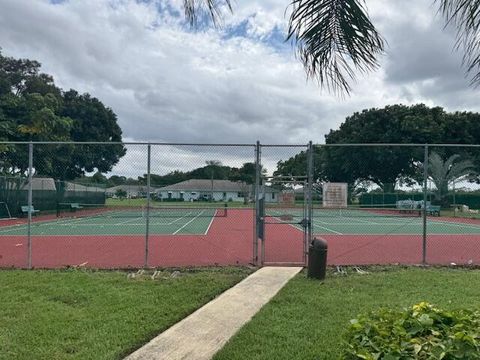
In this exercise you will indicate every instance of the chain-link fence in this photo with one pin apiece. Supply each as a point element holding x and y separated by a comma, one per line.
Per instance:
<point>156,205</point>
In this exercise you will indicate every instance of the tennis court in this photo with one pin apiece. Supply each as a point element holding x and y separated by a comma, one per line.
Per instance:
<point>115,237</point>
<point>384,236</point>
<point>106,237</point>
<point>365,221</point>
<point>104,220</point>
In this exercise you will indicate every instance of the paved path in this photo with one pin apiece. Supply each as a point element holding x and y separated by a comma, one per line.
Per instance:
<point>200,335</point>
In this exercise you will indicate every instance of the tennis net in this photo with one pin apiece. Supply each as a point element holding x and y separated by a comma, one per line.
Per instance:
<point>351,211</point>
<point>142,211</point>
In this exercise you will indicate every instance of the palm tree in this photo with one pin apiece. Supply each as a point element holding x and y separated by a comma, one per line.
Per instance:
<point>443,173</point>
<point>212,164</point>
<point>335,38</point>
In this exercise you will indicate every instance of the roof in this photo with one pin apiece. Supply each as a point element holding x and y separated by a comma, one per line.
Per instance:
<point>46,184</point>
<point>206,185</point>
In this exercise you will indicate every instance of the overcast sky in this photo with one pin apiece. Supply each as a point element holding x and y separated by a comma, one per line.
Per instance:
<point>236,85</point>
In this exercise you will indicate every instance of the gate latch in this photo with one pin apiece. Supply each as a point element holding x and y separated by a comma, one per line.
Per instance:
<point>304,223</point>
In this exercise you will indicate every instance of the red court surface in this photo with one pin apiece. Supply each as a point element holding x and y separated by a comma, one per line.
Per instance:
<point>229,241</point>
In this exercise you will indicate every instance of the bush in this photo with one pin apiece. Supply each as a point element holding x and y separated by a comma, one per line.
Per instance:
<point>422,332</point>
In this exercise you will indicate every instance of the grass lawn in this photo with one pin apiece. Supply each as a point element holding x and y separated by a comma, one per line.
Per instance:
<point>307,318</point>
<point>76,314</point>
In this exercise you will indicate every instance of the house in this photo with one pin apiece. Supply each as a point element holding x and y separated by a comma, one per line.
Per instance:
<point>132,191</point>
<point>206,189</point>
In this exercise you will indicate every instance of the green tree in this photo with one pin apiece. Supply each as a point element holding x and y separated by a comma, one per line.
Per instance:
<point>115,180</point>
<point>443,173</point>
<point>246,173</point>
<point>121,194</point>
<point>297,164</point>
<point>386,165</point>
<point>382,165</point>
<point>335,39</point>
<point>92,121</point>
<point>32,108</point>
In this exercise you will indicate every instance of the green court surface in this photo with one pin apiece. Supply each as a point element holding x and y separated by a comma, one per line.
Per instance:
<point>181,223</point>
<point>348,222</point>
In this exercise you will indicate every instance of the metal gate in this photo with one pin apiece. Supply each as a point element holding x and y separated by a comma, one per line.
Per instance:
<point>284,226</point>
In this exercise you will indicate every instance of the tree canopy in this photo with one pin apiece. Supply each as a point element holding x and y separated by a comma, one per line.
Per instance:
<point>387,165</point>
<point>244,174</point>
<point>33,108</point>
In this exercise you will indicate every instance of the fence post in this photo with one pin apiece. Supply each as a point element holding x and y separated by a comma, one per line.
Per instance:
<point>258,172</point>
<point>425,181</point>
<point>309,200</point>
<point>30,205</point>
<point>147,230</point>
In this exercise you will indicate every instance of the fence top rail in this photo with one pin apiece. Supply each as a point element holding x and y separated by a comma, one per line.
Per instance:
<point>395,144</point>
<point>119,143</point>
<point>231,144</point>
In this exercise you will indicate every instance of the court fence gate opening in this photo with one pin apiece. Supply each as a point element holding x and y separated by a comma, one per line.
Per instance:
<point>136,204</point>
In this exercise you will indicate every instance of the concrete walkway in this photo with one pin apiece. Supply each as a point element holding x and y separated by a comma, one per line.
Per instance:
<point>200,335</point>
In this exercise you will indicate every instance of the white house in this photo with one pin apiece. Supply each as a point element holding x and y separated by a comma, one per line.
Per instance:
<point>133,191</point>
<point>206,189</point>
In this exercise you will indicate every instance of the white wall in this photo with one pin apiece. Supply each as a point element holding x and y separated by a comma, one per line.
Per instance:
<point>217,196</point>
<point>196,195</point>
<point>271,197</point>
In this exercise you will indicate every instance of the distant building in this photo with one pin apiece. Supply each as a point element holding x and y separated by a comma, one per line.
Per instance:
<point>132,191</point>
<point>49,184</point>
<point>206,189</point>
<point>39,183</point>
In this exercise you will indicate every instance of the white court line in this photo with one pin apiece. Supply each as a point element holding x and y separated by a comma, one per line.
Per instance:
<point>362,221</point>
<point>408,223</point>
<point>171,222</point>
<point>454,224</point>
<point>375,224</point>
<point>178,219</point>
<point>314,224</point>
<point>46,222</point>
<point>200,213</point>
<point>109,224</point>
<point>34,224</point>
<point>325,228</point>
<point>124,222</point>
<point>211,222</point>
<point>13,229</point>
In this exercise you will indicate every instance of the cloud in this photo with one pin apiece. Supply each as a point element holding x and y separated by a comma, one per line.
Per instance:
<point>238,84</point>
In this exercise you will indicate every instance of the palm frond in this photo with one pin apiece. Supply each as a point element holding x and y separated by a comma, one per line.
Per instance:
<point>465,16</point>
<point>435,167</point>
<point>460,170</point>
<point>445,172</point>
<point>215,8</point>
<point>333,38</point>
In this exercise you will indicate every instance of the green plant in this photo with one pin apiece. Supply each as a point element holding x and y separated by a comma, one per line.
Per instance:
<point>420,332</point>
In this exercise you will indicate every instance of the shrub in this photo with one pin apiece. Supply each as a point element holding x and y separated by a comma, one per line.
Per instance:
<point>421,332</point>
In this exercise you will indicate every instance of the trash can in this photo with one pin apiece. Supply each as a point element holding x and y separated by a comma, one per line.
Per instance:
<point>317,259</point>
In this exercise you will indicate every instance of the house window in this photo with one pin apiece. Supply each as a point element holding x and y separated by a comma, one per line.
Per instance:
<point>273,195</point>
<point>239,194</point>
<point>169,194</point>
<point>224,195</point>
<point>181,195</point>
